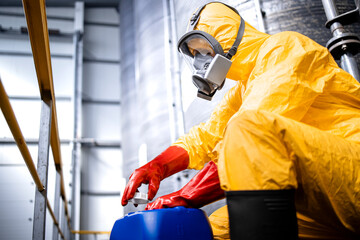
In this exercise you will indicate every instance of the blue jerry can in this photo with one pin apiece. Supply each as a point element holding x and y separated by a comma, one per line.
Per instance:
<point>177,223</point>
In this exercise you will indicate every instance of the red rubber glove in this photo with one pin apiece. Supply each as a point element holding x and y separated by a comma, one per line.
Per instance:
<point>202,189</point>
<point>174,159</point>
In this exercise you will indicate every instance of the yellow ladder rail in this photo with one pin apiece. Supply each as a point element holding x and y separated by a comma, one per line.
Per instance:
<point>90,232</point>
<point>35,13</point>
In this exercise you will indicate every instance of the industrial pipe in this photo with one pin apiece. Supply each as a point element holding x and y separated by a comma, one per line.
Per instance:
<point>344,45</point>
<point>349,64</point>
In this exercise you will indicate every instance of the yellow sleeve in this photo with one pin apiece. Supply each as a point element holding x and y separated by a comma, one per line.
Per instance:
<point>201,139</point>
<point>290,72</point>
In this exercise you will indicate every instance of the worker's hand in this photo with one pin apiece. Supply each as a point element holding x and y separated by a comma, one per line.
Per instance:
<point>168,201</point>
<point>202,189</point>
<point>148,175</point>
<point>172,160</point>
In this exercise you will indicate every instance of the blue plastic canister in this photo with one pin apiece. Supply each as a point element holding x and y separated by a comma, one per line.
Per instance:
<point>177,223</point>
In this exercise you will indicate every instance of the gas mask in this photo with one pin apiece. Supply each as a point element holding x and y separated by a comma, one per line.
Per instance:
<point>205,56</point>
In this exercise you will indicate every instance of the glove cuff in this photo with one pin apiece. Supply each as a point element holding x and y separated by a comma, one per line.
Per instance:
<point>203,188</point>
<point>174,159</point>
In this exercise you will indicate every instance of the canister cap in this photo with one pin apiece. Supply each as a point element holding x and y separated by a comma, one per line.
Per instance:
<point>140,198</point>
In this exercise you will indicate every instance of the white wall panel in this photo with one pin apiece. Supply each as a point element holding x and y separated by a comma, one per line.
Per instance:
<point>63,26</point>
<point>18,76</point>
<point>10,154</point>
<point>102,15</point>
<point>12,9</point>
<point>28,117</point>
<point>61,46</point>
<point>50,11</point>
<point>17,199</point>
<point>20,44</point>
<point>63,76</point>
<point>101,42</point>
<point>101,121</point>
<point>100,170</point>
<point>60,12</point>
<point>16,22</point>
<point>14,43</point>
<point>65,119</point>
<point>12,21</point>
<point>94,218</point>
<point>101,81</point>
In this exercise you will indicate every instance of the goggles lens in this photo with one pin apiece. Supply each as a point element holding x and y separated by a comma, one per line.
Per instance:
<point>196,43</point>
<point>200,45</point>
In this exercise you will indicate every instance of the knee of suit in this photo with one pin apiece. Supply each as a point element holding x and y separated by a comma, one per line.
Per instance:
<point>254,155</point>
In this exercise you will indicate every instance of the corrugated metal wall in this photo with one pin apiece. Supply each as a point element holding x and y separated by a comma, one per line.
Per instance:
<point>145,112</point>
<point>129,106</point>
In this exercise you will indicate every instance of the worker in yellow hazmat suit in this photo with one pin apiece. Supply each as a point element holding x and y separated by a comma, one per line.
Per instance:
<point>285,137</point>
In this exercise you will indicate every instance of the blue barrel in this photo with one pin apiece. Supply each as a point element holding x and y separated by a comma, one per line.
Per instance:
<point>177,223</point>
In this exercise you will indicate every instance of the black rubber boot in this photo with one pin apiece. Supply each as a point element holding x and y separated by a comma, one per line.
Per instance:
<point>262,215</point>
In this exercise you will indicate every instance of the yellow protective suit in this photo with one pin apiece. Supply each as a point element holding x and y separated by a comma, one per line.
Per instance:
<point>291,121</point>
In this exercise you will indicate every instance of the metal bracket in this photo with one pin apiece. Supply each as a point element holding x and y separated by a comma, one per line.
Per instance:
<point>346,42</point>
<point>346,18</point>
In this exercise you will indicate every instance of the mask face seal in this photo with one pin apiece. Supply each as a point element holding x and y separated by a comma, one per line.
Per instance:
<point>206,58</point>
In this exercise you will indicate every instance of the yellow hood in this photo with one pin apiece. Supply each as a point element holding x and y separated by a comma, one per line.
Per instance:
<point>223,24</point>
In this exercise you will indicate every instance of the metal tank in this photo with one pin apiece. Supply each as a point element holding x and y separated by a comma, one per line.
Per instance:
<point>152,87</point>
<point>129,110</point>
<point>145,109</point>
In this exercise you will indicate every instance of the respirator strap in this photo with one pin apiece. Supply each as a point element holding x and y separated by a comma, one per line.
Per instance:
<point>238,39</point>
<point>195,19</point>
